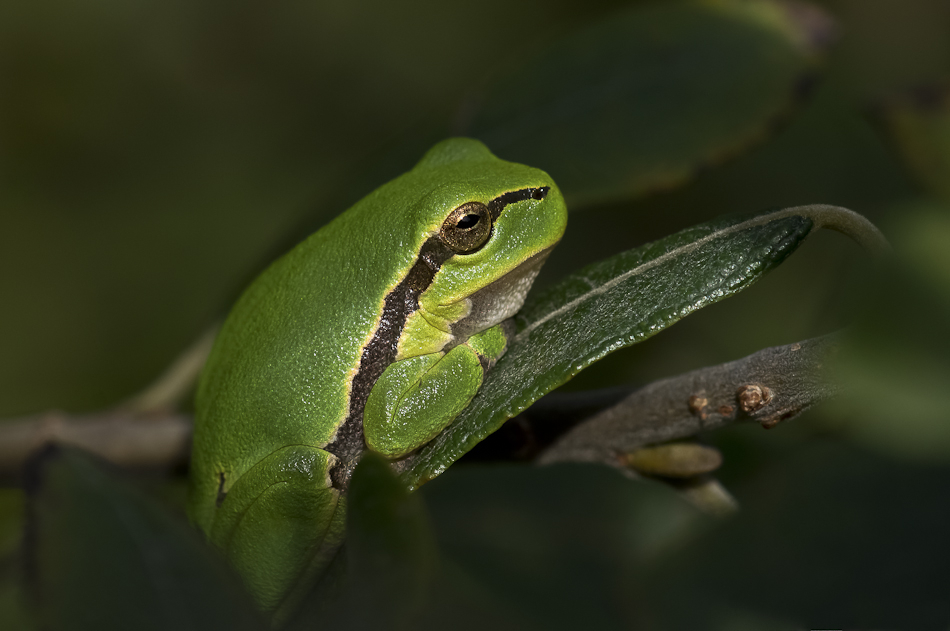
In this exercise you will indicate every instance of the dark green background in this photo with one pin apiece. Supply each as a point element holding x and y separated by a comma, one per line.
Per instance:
<point>152,154</point>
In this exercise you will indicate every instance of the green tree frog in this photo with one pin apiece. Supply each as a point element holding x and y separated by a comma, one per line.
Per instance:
<point>373,333</point>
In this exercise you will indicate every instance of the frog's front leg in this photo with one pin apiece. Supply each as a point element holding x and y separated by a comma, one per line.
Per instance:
<point>416,398</point>
<point>281,522</point>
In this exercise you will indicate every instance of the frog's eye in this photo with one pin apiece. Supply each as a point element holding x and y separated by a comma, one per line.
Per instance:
<point>467,228</point>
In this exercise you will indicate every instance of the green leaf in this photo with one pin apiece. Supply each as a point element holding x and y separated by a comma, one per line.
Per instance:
<point>621,301</point>
<point>919,124</point>
<point>104,556</point>
<point>645,98</point>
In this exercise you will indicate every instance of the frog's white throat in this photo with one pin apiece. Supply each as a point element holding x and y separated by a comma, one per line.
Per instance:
<point>500,299</point>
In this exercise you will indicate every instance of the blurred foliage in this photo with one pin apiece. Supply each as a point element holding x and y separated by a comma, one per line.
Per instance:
<point>644,99</point>
<point>153,153</point>
<point>918,123</point>
<point>828,537</point>
<point>833,537</point>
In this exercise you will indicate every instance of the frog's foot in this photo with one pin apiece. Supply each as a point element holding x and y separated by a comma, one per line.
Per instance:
<point>418,397</point>
<point>281,522</point>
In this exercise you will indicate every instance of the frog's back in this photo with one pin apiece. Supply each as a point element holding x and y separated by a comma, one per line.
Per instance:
<point>282,365</point>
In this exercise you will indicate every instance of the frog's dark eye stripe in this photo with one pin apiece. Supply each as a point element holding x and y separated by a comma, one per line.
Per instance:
<point>497,205</point>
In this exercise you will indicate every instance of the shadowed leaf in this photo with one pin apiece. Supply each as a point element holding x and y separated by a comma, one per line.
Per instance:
<point>390,547</point>
<point>104,556</point>
<point>384,575</point>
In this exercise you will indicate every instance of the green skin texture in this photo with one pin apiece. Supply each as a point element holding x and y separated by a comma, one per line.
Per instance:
<point>277,384</point>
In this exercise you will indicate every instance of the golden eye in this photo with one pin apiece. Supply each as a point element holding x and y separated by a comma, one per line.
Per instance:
<point>467,228</point>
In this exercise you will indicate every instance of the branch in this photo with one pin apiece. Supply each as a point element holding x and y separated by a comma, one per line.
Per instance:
<point>141,432</point>
<point>609,426</point>
<point>128,440</point>
<point>767,387</point>
<point>178,380</point>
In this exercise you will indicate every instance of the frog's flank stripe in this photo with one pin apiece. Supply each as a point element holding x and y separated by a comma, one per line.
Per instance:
<point>348,444</point>
<point>381,349</point>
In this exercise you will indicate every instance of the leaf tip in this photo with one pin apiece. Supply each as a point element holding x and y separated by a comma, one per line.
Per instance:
<point>847,222</point>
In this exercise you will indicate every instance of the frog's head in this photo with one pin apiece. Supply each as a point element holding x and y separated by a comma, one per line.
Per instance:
<point>492,224</point>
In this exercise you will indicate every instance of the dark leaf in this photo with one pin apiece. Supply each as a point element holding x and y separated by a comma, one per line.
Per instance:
<point>104,556</point>
<point>390,547</point>
<point>383,576</point>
